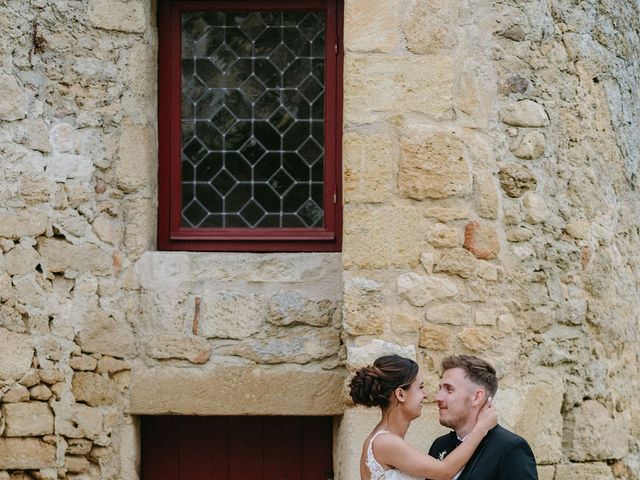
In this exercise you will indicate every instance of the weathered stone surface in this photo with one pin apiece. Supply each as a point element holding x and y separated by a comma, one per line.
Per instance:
<point>450,313</point>
<point>30,378</point>
<point>584,471</point>
<point>579,442</point>
<point>443,236</point>
<point>27,419</point>
<point>371,25</point>
<point>546,472</point>
<point>164,347</point>
<point>433,167</point>
<point>365,351</point>
<point>456,261</point>
<point>485,195</point>
<point>524,113</point>
<point>26,453</point>
<point>519,234</point>
<point>530,146</point>
<point>78,446</point>
<point>368,169</point>
<point>363,313</point>
<point>59,256</point>
<point>280,390</point>
<point>421,289</point>
<point>116,15</point>
<point>83,362</point>
<point>93,389</point>
<point>382,237</point>
<point>105,334</point>
<point>431,26</point>
<point>290,308</point>
<point>17,223</point>
<point>376,84</point>
<point>135,150</point>
<point>40,392</point>
<point>50,375</point>
<point>515,180</point>
<point>433,337</point>
<point>227,314</point>
<point>82,422</point>
<point>13,100</point>
<point>62,167</point>
<point>17,393</point>
<point>536,208</point>
<point>580,229</point>
<point>295,345</point>
<point>476,339</point>
<point>108,229</point>
<point>112,365</point>
<point>76,463</point>
<point>481,240</point>
<point>21,260</point>
<point>17,353</point>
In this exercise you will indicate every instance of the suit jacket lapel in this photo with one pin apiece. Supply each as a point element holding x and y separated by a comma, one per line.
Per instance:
<point>471,464</point>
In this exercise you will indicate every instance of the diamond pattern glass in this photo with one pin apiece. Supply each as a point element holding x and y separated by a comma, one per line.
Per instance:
<point>253,119</point>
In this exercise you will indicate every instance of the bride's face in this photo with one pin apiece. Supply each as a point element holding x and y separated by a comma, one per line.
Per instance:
<point>414,396</point>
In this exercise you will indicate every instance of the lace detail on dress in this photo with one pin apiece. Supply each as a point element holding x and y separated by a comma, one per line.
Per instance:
<point>377,471</point>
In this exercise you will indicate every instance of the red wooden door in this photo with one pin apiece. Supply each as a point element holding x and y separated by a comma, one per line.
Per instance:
<point>236,448</point>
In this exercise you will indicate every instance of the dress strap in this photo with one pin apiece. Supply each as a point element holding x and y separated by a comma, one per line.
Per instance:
<point>377,471</point>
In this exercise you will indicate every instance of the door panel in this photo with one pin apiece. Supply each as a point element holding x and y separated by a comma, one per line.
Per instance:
<point>236,448</point>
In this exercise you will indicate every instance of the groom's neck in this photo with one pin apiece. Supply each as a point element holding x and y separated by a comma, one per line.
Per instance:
<point>470,422</point>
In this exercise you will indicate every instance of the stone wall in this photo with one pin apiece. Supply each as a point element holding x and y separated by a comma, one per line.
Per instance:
<point>490,175</point>
<point>491,208</point>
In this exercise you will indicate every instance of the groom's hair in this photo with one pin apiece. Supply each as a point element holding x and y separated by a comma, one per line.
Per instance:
<point>477,370</point>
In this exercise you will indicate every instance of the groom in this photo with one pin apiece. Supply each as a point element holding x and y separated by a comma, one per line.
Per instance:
<point>466,383</point>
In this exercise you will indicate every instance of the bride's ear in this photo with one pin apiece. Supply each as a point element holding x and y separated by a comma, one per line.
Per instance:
<point>399,393</point>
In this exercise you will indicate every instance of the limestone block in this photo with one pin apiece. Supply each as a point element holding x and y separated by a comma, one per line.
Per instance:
<point>433,167</point>
<point>486,317</point>
<point>83,362</point>
<point>584,471</point>
<point>93,389</point>
<point>10,318</point>
<point>17,393</point>
<point>135,158</point>
<point>140,221</point>
<point>17,353</point>
<point>30,378</point>
<point>515,180</point>
<point>529,146</point>
<point>40,392</point>
<point>524,113</point>
<point>422,289</point>
<point>63,137</point>
<point>50,375</point>
<point>81,421</point>
<point>434,337</point>
<point>481,240</point>
<point>579,442</point>
<point>191,348</point>
<point>447,214</point>
<point>78,446</point>
<point>360,318</point>
<point>13,100</point>
<point>485,195</point>
<point>519,234</point>
<point>117,15</point>
<point>450,314</point>
<point>76,463</point>
<point>546,472</point>
<point>108,229</point>
<point>35,135</point>
<point>27,419</point>
<point>443,236</point>
<point>102,333</point>
<point>365,352</point>
<point>112,365</point>
<point>431,26</point>
<point>456,261</point>
<point>18,223</point>
<point>377,85</point>
<point>536,208</point>
<point>294,345</point>
<point>290,307</point>
<point>66,166</point>
<point>59,256</point>
<point>383,236</point>
<point>368,167</point>
<point>26,453</point>
<point>580,229</point>
<point>279,390</point>
<point>476,339</point>
<point>371,26</point>
<point>227,314</point>
<point>21,260</point>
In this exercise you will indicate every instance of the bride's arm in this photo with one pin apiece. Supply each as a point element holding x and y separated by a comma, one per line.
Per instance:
<point>396,452</point>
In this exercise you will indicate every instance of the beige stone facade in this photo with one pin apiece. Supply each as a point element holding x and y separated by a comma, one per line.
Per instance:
<point>491,207</point>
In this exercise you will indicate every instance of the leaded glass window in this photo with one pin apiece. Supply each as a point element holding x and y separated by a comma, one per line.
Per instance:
<point>249,152</point>
<point>252,119</point>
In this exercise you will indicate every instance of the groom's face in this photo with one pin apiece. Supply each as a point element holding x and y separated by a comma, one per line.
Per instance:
<point>455,399</point>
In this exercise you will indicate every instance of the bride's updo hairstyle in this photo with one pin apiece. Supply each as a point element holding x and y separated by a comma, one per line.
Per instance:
<point>373,385</point>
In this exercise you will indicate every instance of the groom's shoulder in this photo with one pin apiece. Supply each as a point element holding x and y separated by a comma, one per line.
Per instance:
<point>507,438</point>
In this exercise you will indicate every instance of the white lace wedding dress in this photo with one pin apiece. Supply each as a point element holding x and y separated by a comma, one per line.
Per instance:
<point>379,473</point>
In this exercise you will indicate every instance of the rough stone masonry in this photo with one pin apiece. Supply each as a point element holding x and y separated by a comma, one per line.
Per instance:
<point>491,207</point>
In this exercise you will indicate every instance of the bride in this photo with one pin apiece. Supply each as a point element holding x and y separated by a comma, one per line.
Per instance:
<point>393,384</point>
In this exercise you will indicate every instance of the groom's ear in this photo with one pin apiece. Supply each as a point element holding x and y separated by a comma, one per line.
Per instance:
<point>478,397</point>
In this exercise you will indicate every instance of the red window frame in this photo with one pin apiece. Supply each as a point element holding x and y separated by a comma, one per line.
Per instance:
<point>171,234</point>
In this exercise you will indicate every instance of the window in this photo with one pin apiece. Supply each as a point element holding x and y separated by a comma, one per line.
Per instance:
<point>250,125</point>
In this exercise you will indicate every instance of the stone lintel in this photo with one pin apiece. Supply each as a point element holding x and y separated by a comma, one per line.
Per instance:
<point>236,390</point>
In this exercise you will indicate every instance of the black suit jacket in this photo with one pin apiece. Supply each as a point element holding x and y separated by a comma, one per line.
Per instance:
<point>502,455</point>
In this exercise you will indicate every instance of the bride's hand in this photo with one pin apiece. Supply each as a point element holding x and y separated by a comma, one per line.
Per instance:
<point>488,415</point>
